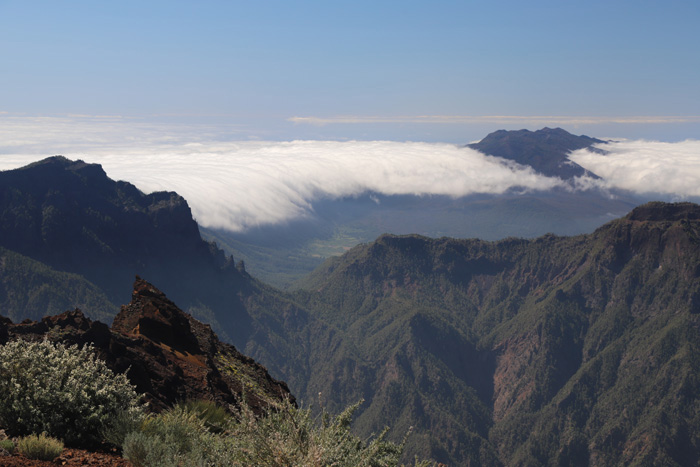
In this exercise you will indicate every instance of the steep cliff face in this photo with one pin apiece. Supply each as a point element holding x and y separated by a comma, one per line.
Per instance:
<point>70,213</point>
<point>72,217</point>
<point>166,353</point>
<point>548,351</point>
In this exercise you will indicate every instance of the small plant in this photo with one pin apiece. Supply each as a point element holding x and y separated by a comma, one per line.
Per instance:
<point>41,447</point>
<point>171,438</point>
<point>7,445</point>
<point>148,451</point>
<point>291,436</point>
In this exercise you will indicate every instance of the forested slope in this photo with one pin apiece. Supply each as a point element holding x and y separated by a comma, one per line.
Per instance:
<point>554,350</point>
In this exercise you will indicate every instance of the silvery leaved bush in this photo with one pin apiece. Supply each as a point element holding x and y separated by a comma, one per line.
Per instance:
<point>64,391</point>
<point>286,435</point>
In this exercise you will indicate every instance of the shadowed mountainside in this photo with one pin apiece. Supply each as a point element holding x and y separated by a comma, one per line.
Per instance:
<point>30,289</point>
<point>71,217</point>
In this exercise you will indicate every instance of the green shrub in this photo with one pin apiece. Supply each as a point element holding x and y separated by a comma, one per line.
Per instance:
<point>284,436</point>
<point>215,418</point>
<point>41,447</point>
<point>7,445</point>
<point>64,391</point>
<point>148,451</point>
<point>171,438</point>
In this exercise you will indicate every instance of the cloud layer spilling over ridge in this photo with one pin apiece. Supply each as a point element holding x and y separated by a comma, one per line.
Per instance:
<point>647,167</point>
<point>246,184</point>
<point>241,184</point>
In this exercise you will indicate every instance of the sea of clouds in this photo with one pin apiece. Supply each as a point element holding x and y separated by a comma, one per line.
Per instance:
<point>646,168</point>
<point>240,184</point>
<point>244,184</point>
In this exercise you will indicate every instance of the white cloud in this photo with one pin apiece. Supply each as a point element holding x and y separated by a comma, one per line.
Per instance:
<point>647,167</point>
<point>241,184</point>
<point>236,185</point>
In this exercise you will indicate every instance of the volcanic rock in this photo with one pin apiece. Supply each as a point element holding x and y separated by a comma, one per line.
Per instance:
<point>167,354</point>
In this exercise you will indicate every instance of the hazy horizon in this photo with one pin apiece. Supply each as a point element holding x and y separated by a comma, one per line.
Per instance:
<point>442,71</point>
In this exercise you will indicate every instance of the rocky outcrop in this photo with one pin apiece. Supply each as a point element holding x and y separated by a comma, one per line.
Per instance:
<point>166,353</point>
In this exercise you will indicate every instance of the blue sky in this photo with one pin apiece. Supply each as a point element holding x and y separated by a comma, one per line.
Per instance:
<point>399,70</point>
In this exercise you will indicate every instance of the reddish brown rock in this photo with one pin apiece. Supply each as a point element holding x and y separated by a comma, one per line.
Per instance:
<point>165,352</point>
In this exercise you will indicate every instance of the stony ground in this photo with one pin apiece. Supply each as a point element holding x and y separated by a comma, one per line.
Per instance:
<point>69,457</point>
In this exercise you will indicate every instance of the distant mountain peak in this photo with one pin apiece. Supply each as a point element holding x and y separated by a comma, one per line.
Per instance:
<point>544,150</point>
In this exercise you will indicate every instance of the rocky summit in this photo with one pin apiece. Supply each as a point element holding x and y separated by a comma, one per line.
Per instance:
<point>165,352</point>
<point>546,150</point>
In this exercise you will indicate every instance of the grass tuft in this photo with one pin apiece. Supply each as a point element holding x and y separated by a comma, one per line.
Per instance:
<point>41,447</point>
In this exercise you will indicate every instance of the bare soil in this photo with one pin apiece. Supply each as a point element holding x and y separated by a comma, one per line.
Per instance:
<point>69,457</point>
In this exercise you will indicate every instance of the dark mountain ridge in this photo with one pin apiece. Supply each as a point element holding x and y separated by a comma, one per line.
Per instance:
<point>66,223</point>
<point>73,218</point>
<point>56,191</point>
<point>544,150</point>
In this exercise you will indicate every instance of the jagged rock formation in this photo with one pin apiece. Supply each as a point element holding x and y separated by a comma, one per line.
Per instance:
<point>166,353</point>
<point>544,150</point>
